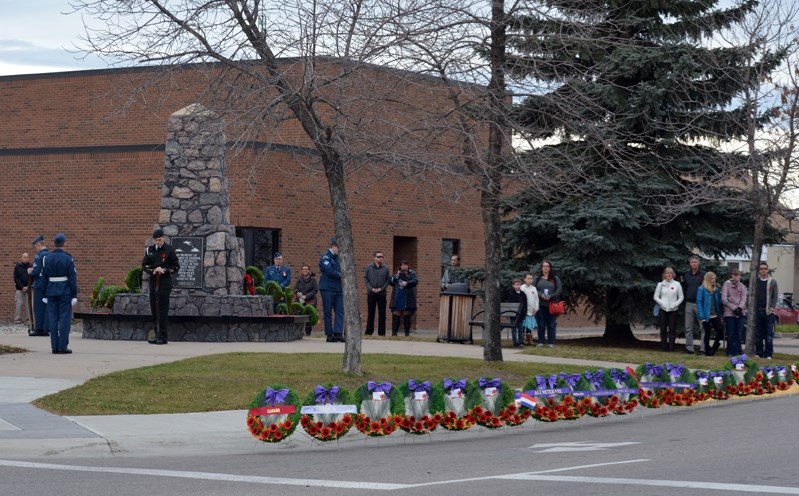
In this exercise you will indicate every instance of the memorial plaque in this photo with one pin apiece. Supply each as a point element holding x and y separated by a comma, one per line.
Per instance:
<point>190,252</point>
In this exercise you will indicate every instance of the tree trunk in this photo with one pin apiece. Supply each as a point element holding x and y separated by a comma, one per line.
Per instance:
<point>491,186</point>
<point>492,337</point>
<point>334,171</point>
<point>757,251</point>
<point>614,330</point>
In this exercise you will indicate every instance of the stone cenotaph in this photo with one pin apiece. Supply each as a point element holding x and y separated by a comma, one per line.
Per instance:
<point>207,301</point>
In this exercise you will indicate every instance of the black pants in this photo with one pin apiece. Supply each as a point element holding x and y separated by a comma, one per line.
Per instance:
<point>159,305</point>
<point>406,322</point>
<point>379,301</point>
<point>668,330</point>
<point>714,324</point>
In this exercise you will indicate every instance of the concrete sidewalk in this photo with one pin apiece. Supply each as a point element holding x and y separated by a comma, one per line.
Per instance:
<point>28,432</point>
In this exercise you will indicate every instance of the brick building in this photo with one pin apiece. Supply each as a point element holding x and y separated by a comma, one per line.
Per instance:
<point>74,162</point>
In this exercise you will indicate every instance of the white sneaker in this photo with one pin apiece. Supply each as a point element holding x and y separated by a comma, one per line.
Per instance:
<point>550,346</point>
<point>540,345</point>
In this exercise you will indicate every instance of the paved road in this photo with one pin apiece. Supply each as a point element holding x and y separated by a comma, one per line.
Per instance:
<point>701,450</point>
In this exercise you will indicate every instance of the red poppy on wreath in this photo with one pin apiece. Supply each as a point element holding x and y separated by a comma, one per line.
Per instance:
<point>248,285</point>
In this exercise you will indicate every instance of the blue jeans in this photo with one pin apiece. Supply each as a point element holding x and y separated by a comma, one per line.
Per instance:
<point>764,334</point>
<point>333,301</point>
<point>517,334</point>
<point>547,325</point>
<point>735,329</point>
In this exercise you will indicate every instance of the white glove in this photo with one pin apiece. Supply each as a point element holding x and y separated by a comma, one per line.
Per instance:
<point>44,300</point>
<point>74,301</point>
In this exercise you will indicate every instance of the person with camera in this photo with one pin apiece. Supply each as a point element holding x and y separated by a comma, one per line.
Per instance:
<point>733,297</point>
<point>709,312</point>
<point>403,297</point>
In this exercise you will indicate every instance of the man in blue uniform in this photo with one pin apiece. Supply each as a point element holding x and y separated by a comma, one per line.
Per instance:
<point>278,272</point>
<point>60,288</point>
<point>40,320</point>
<point>160,262</point>
<point>332,294</point>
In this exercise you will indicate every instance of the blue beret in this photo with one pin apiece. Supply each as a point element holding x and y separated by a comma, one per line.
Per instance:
<point>37,239</point>
<point>60,239</point>
<point>277,255</point>
<point>333,241</point>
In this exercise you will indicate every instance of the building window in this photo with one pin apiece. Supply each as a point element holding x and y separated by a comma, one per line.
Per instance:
<point>734,265</point>
<point>449,247</point>
<point>259,245</point>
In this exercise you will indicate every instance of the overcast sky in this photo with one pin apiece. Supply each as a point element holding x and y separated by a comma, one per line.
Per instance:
<point>35,36</point>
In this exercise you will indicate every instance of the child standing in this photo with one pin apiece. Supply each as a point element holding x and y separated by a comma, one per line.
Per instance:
<point>515,295</point>
<point>532,307</point>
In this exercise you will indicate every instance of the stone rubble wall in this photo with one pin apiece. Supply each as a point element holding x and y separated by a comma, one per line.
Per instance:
<point>196,303</point>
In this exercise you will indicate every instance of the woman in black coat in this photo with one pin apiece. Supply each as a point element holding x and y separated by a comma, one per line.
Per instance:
<point>403,297</point>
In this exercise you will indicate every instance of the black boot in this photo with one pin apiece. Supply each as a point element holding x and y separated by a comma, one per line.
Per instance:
<point>395,322</point>
<point>407,323</point>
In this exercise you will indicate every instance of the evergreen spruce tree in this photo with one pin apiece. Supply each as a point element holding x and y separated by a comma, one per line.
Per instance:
<point>629,187</point>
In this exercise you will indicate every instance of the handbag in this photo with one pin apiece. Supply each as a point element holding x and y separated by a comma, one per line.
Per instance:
<point>656,310</point>
<point>557,308</point>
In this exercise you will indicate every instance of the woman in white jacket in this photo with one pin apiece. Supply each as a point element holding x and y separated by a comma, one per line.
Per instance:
<point>532,307</point>
<point>668,296</point>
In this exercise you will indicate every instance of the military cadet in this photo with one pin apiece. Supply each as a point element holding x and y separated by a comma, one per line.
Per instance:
<point>160,262</point>
<point>40,320</point>
<point>332,295</point>
<point>60,288</point>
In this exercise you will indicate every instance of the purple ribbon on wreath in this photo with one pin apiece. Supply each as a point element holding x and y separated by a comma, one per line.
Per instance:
<point>450,385</point>
<point>550,382</point>
<point>486,383</point>
<point>275,396</point>
<point>653,370</point>
<point>781,370</point>
<point>383,387</point>
<point>718,373</point>
<point>418,387</point>
<point>766,370</point>
<point>739,360</point>
<point>619,376</point>
<point>675,370</point>
<point>326,395</point>
<point>701,375</point>
<point>570,379</point>
<point>595,378</point>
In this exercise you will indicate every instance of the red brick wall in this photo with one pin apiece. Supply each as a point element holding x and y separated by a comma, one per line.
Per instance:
<point>107,202</point>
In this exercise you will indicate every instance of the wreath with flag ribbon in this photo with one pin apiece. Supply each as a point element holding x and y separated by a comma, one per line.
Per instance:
<point>551,398</point>
<point>273,414</point>
<point>714,384</point>
<point>330,415</point>
<point>495,404</point>
<point>378,404</point>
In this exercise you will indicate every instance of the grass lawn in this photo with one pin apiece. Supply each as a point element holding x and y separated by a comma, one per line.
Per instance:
<point>230,381</point>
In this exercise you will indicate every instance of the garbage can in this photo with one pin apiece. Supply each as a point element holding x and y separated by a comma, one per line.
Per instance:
<point>455,310</point>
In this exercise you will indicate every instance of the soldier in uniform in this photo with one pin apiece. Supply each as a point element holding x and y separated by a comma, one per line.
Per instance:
<point>40,321</point>
<point>332,295</point>
<point>60,288</point>
<point>160,262</point>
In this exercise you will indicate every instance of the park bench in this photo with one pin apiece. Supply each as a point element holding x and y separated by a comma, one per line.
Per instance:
<point>508,312</point>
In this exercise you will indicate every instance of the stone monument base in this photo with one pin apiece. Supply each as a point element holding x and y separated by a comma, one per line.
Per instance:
<point>274,328</point>
<point>196,316</point>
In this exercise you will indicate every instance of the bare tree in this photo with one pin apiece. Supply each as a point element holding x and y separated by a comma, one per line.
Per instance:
<point>304,61</point>
<point>769,151</point>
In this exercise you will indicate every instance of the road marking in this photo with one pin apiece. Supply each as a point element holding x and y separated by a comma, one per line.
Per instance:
<point>374,486</point>
<point>746,488</point>
<point>577,446</point>
<point>379,486</point>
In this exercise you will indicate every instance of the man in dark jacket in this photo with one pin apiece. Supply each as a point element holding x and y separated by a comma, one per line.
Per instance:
<point>376,277</point>
<point>160,262</point>
<point>691,281</point>
<point>21,285</point>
